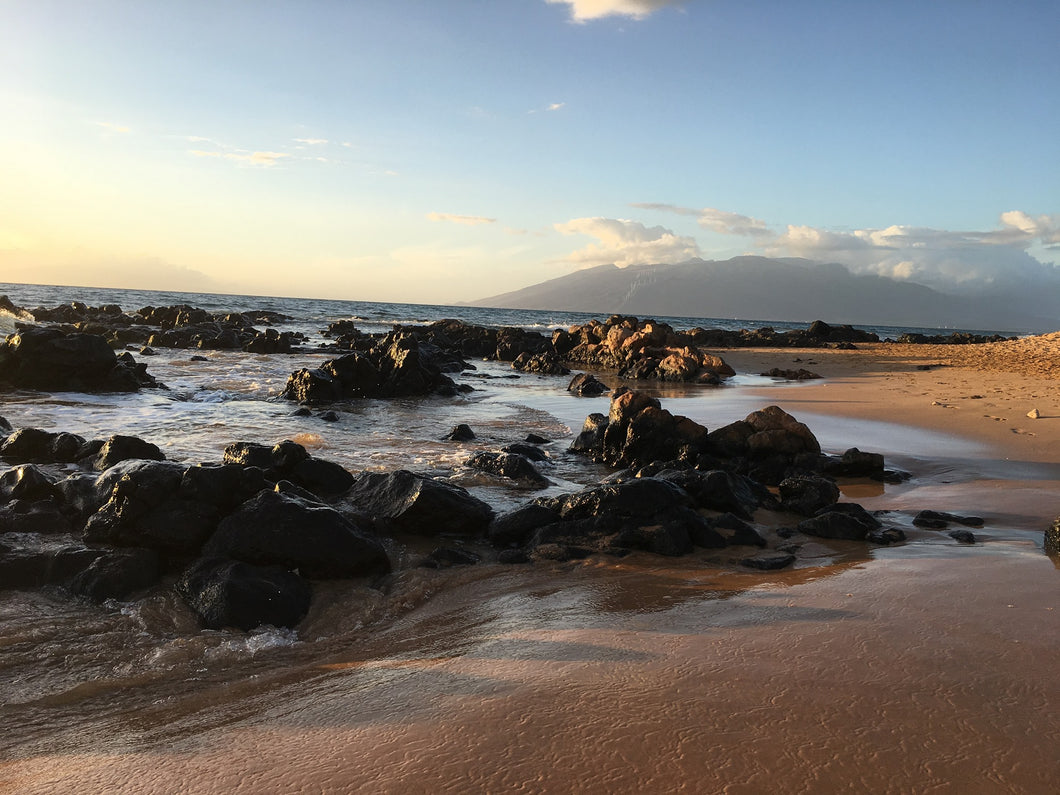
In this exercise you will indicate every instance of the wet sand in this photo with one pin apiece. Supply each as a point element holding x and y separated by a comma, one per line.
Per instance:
<point>930,667</point>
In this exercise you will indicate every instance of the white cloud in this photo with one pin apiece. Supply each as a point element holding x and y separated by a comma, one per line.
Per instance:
<point>963,261</point>
<point>624,242</point>
<point>311,141</point>
<point>252,158</point>
<point>721,221</point>
<point>556,105</point>
<point>585,10</point>
<point>466,220</point>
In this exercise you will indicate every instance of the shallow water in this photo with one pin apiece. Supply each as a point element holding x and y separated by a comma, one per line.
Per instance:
<point>926,667</point>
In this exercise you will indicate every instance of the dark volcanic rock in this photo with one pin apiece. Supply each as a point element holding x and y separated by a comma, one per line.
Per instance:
<point>26,482</point>
<point>29,563</point>
<point>736,532</point>
<point>769,561</point>
<point>116,575</point>
<point>516,527</point>
<point>962,536</point>
<point>227,593</point>
<point>509,465</point>
<point>792,375</point>
<point>938,520</point>
<point>853,464</point>
<point>408,503</point>
<point>47,358</point>
<point>279,529</point>
<point>808,494</point>
<point>461,433</point>
<point>541,363</point>
<point>586,385</point>
<point>34,446</point>
<point>399,365</point>
<point>639,431</point>
<point>1051,541</point>
<point>122,448</point>
<point>717,490</point>
<point>838,524</point>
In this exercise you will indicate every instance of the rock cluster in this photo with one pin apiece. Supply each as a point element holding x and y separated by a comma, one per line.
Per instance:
<point>178,326</point>
<point>683,487</point>
<point>640,349</point>
<point>242,541</point>
<point>400,364</point>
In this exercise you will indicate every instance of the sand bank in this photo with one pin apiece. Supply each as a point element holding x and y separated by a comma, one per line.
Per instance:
<point>982,392</point>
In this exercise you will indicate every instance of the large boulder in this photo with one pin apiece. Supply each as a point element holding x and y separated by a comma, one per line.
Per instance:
<point>145,509</point>
<point>405,502</point>
<point>808,494</point>
<point>47,358</point>
<point>122,448</point>
<point>117,575</point>
<point>282,529</point>
<point>36,446</point>
<point>718,490</point>
<point>228,593</point>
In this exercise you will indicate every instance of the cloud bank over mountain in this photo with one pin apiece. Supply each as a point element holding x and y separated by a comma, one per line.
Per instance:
<point>999,261</point>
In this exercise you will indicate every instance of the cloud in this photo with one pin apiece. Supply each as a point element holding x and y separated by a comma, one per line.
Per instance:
<point>955,261</point>
<point>556,105</point>
<point>253,158</point>
<point>118,128</point>
<point>311,141</point>
<point>624,242</point>
<point>466,220</point>
<point>585,10</point>
<point>721,221</point>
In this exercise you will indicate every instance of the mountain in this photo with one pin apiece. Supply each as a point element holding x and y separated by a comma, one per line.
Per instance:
<point>767,289</point>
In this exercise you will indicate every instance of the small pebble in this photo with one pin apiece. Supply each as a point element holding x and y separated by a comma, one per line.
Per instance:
<point>1034,414</point>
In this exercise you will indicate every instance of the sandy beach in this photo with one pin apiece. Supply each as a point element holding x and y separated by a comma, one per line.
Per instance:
<point>983,392</point>
<point>921,668</point>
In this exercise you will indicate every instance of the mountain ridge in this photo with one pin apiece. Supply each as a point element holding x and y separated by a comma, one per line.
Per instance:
<point>787,289</point>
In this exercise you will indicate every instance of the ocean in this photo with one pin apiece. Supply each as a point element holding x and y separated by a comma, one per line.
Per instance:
<point>128,680</point>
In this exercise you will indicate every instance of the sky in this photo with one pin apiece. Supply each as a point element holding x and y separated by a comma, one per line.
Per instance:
<point>436,151</point>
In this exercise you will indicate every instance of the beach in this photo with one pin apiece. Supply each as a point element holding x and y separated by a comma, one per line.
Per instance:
<point>925,667</point>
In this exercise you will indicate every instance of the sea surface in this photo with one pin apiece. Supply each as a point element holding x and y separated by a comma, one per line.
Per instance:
<point>131,678</point>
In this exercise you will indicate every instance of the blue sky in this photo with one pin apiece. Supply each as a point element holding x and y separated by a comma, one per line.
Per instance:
<point>445,151</point>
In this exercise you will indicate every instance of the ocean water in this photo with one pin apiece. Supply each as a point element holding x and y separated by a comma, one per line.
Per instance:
<point>126,679</point>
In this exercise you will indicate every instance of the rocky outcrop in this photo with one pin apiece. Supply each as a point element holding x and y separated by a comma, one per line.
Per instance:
<point>46,358</point>
<point>399,365</point>
<point>638,431</point>
<point>178,326</point>
<point>640,350</point>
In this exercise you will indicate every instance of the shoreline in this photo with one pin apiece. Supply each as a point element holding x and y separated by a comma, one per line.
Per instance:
<point>927,666</point>
<point>981,392</point>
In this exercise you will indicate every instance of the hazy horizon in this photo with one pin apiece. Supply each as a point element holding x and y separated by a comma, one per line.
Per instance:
<point>418,152</point>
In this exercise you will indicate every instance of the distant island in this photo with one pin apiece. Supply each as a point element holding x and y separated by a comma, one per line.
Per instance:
<point>782,289</point>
